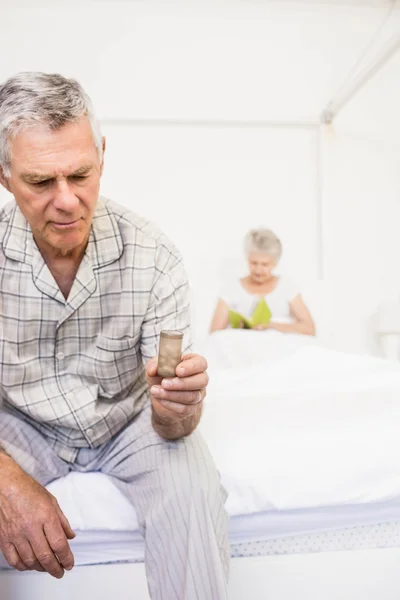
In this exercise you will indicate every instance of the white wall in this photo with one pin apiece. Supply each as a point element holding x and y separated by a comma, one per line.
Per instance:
<point>206,186</point>
<point>361,241</point>
<point>362,206</point>
<point>222,59</point>
<point>239,66</point>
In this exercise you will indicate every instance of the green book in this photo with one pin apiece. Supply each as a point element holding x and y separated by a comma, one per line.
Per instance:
<point>261,316</point>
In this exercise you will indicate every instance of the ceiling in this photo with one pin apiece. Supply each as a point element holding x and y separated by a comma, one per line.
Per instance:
<point>236,61</point>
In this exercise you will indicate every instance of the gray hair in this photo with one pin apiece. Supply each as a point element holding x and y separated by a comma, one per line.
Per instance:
<point>265,241</point>
<point>41,98</point>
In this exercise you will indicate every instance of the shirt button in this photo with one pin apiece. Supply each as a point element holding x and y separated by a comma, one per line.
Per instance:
<point>89,432</point>
<point>60,355</point>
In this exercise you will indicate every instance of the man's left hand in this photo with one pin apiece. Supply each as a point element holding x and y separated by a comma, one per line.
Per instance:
<point>181,396</point>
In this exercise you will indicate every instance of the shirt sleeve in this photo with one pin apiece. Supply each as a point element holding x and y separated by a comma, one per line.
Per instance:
<point>292,289</point>
<point>226,293</point>
<point>169,306</point>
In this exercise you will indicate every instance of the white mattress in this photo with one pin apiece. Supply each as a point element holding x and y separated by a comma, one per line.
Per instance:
<point>93,503</point>
<point>107,529</point>
<point>100,547</point>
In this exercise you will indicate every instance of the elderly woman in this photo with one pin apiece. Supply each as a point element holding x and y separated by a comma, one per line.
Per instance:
<point>289,313</point>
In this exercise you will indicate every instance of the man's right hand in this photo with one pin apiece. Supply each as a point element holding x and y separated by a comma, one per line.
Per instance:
<point>34,532</point>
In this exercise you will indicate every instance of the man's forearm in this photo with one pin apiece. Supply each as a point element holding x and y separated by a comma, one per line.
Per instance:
<point>6,461</point>
<point>173,428</point>
<point>4,454</point>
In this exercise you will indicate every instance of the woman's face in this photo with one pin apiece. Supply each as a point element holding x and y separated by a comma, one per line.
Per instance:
<point>261,266</point>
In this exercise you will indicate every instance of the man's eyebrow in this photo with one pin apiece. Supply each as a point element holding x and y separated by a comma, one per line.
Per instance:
<point>38,177</point>
<point>81,171</point>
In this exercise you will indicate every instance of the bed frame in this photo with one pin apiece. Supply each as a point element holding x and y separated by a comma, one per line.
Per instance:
<point>346,575</point>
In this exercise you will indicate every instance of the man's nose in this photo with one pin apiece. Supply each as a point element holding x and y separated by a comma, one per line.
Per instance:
<point>64,198</point>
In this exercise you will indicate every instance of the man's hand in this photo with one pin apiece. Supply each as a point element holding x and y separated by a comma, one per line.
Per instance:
<point>177,402</point>
<point>34,532</point>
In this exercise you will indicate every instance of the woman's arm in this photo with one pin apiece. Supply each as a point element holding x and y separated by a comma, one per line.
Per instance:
<point>303,320</point>
<point>220,319</point>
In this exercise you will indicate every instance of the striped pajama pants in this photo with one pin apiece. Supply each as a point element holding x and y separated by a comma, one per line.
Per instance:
<point>174,487</point>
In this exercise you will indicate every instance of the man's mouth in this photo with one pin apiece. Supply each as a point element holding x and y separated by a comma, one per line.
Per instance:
<point>65,224</point>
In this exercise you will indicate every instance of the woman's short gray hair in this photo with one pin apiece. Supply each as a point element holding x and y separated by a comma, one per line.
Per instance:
<point>41,98</point>
<point>265,241</point>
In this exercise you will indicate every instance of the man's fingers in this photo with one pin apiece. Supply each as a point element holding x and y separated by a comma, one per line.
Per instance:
<point>28,557</point>
<point>180,410</point>
<point>151,367</point>
<point>195,382</point>
<point>69,532</point>
<point>191,364</point>
<point>151,372</point>
<point>193,397</point>
<point>13,558</point>
<point>46,556</point>
<point>59,544</point>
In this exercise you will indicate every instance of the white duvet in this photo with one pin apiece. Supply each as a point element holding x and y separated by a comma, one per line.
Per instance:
<point>294,425</point>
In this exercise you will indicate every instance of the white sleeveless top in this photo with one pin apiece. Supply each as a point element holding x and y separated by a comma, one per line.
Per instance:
<point>237,298</point>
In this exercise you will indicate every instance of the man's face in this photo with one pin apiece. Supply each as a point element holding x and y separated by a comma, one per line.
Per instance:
<point>55,179</point>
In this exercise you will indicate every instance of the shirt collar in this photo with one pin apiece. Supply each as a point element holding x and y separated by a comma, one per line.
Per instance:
<point>105,243</point>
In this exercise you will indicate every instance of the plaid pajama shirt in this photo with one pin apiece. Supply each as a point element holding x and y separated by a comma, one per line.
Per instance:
<point>75,367</point>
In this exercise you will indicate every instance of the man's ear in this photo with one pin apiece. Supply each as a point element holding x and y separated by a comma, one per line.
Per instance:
<point>103,144</point>
<point>4,180</point>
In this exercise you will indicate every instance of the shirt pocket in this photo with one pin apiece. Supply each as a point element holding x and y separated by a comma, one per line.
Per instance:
<point>116,365</point>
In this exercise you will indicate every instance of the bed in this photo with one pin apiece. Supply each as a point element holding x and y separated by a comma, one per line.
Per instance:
<point>306,440</point>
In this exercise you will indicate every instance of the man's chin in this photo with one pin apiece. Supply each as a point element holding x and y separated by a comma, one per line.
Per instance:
<point>67,243</point>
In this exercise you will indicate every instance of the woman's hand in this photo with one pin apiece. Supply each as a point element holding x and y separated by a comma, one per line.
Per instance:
<point>261,327</point>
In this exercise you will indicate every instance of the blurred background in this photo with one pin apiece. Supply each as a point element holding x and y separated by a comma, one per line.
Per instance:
<point>225,115</point>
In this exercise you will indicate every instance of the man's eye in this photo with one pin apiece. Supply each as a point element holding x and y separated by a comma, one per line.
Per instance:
<point>79,177</point>
<point>42,183</point>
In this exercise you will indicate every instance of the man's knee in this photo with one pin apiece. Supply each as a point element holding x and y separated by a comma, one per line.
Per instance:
<point>197,476</point>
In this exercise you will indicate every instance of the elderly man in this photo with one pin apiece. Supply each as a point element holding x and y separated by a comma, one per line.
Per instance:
<point>85,288</point>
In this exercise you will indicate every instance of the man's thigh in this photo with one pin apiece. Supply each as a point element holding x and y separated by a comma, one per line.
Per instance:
<point>138,451</point>
<point>179,501</point>
<point>30,450</point>
<point>148,468</point>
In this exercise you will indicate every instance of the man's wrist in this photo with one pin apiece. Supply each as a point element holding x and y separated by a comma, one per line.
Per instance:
<point>2,450</point>
<point>171,428</point>
<point>5,458</point>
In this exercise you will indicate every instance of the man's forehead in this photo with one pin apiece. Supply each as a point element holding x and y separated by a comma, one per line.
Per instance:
<point>38,143</point>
